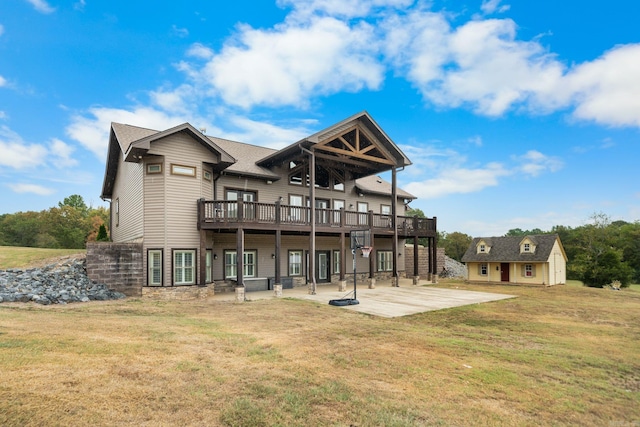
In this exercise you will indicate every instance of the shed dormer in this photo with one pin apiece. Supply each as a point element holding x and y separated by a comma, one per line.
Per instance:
<point>528,245</point>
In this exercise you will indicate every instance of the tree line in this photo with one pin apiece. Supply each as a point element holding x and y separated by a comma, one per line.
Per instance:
<point>68,226</point>
<point>599,252</point>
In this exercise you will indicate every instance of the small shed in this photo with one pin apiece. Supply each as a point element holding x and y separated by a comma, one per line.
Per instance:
<point>533,259</point>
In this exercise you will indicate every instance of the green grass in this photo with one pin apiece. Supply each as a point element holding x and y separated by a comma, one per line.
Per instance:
<point>565,355</point>
<point>13,256</point>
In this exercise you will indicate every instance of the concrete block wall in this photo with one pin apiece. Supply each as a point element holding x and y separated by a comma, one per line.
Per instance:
<point>118,265</point>
<point>423,260</point>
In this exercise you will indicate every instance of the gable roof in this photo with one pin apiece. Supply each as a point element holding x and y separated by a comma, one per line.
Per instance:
<point>133,142</point>
<point>245,159</point>
<point>507,249</point>
<point>388,154</point>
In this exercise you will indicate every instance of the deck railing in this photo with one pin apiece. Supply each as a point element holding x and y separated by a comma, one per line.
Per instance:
<point>231,213</point>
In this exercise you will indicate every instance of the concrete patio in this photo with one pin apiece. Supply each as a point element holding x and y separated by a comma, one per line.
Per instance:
<point>384,300</point>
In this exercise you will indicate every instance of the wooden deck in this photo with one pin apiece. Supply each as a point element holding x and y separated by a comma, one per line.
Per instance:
<point>230,215</point>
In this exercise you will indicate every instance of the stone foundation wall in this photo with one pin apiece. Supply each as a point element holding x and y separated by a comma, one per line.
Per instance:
<point>180,293</point>
<point>423,260</point>
<point>118,265</point>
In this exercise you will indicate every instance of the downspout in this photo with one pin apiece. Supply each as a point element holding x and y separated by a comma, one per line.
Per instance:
<point>312,203</point>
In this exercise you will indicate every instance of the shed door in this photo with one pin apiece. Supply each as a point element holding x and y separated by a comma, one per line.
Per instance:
<point>504,271</point>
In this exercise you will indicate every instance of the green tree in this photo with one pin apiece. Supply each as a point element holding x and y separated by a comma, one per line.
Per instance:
<point>75,201</point>
<point>455,244</point>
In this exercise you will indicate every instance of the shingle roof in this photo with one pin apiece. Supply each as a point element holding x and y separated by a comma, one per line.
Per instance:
<point>246,156</point>
<point>375,185</point>
<point>507,249</point>
<point>126,134</point>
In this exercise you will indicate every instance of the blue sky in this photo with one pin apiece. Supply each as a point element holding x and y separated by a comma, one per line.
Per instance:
<point>515,114</point>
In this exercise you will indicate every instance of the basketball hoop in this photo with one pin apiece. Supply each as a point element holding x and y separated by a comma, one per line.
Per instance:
<point>366,250</point>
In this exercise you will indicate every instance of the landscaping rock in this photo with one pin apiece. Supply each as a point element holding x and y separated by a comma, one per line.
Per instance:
<point>53,284</point>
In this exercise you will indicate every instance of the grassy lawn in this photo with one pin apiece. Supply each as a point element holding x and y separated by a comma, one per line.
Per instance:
<point>12,256</point>
<point>565,355</point>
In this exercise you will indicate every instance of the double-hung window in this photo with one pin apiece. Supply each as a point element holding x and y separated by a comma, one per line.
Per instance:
<point>231,264</point>
<point>154,264</point>
<point>184,267</point>
<point>295,263</point>
<point>385,260</point>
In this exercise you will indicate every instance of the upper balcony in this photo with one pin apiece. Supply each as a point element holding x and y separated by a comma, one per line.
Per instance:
<point>273,216</point>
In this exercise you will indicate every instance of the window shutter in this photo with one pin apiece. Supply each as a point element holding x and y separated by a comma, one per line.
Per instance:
<point>533,270</point>
<point>523,271</point>
<point>479,269</point>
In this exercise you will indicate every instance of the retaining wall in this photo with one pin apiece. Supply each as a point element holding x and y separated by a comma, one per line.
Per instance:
<point>423,260</point>
<point>118,265</point>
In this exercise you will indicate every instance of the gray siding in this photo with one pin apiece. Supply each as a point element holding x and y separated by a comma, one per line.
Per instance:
<point>171,213</point>
<point>128,192</point>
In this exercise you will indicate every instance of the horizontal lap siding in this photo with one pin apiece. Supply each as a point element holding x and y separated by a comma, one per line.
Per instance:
<point>265,247</point>
<point>269,193</point>
<point>177,199</point>
<point>128,190</point>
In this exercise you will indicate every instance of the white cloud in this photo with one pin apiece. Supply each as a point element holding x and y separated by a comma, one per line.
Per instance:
<point>607,90</point>
<point>491,6</point>
<point>80,5</point>
<point>93,131</point>
<point>458,180</point>
<point>41,6</point>
<point>3,81</point>
<point>264,134</point>
<point>180,32</point>
<point>339,8</point>
<point>17,154</point>
<point>61,152</point>
<point>31,188</point>
<point>291,64</point>
<point>198,50</point>
<point>1,29</point>
<point>533,163</point>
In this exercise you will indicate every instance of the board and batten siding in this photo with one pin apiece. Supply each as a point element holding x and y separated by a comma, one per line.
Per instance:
<point>127,224</point>
<point>557,266</point>
<point>172,211</point>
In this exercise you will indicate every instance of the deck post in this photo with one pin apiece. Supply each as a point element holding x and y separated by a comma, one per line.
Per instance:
<point>394,221</point>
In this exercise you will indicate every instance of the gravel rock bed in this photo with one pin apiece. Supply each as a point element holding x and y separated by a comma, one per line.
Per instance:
<point>60,283</point>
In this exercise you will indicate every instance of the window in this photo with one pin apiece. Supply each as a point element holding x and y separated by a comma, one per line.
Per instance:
<point>117,211</point>
<point>363,207</point>
<point>527,247</point>
<point>483,269</point>
<point>231,264</point>
<point>483,248</point>
<point>337,205</point>
<point>385,260</point>
<point>246,196</point>
<point>154,264</point>
<point>295,209</point>
<point>385,209</point>
<point>184,267</point>
<point>183,170</point>
<point>336,262</point>
<point>206,175</point>
<point>154,168</point>
<point>209,266</point>
<point>528,270</point>
<point>295,263</point>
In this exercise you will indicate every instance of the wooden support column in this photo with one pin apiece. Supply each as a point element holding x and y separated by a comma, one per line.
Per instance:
<point>343,256</point>
<point>416,252</point>
<point>312,203</point>
<point>371,258</point>
<point>278,278</point>
<point>394,222</point>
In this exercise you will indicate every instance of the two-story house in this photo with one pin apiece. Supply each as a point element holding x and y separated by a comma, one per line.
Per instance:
<point>209,210</point>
